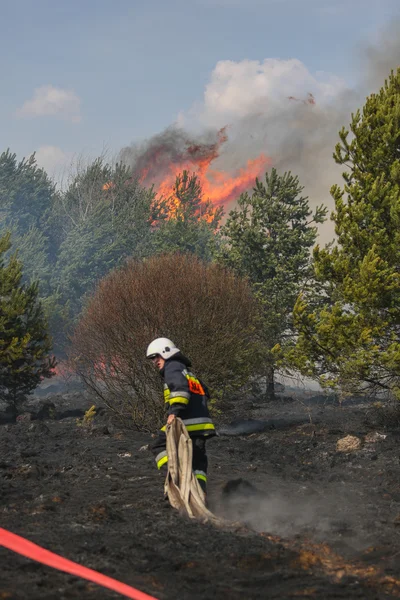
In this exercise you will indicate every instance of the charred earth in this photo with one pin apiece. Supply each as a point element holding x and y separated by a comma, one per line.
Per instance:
<point>310,518</point>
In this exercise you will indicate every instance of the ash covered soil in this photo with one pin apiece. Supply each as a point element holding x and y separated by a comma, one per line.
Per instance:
<point>307,521</point>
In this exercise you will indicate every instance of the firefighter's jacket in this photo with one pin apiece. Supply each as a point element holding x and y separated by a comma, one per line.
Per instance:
<point>186,397</point>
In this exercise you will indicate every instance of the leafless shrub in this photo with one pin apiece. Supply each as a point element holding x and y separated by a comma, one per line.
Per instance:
<point>204,308</point>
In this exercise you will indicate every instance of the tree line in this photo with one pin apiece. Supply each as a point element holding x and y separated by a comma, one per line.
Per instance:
<point>247,295</point>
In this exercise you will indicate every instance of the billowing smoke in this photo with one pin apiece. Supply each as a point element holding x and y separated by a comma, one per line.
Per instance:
<point>160,159</point>
<point>378,59</point>
<point>273,112</point>
<point>152,159</point>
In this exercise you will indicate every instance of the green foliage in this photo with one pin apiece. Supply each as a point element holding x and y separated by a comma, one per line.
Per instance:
<point>268,239</point>
<point>349,331</point>
<point>106,217</point>
<point>33,253</point>
<point>26,192</point>
<point>68,240</point>
<point>189,223</point>
<point>24,341</point>
<point>27,200</point>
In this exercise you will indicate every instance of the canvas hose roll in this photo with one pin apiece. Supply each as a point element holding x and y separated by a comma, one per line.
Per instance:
<point>181,485</point>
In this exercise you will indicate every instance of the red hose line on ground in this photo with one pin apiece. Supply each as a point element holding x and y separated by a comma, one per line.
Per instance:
<point>33,551</point>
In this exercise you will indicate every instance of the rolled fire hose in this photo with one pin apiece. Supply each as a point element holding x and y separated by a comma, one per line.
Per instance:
<point>181,485</point>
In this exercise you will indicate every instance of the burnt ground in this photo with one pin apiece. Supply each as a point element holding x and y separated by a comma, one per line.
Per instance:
<point>316,523</point>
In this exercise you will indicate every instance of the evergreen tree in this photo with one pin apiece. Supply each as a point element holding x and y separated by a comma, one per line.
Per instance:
<point>105,217</point>
<point>32,252</point>
<point>26,193</point>
<point>24,340</point>
<point>188,223</point>
<point>26,202</point>
<point>268,239</point>
<point>349,333</point>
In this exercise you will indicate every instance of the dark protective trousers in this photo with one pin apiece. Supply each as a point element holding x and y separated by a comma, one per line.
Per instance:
<point>199,462</point>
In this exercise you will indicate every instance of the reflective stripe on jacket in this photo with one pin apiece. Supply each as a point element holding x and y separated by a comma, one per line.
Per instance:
<point>186,397</point>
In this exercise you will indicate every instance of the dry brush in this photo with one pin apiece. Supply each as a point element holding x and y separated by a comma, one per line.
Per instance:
<point>208,311</point>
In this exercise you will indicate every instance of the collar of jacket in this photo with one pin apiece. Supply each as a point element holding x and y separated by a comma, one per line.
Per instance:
<point>179,357</point>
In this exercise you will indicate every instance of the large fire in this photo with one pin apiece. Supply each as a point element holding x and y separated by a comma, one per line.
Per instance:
<point>218,186</point>
<point>165,158</point>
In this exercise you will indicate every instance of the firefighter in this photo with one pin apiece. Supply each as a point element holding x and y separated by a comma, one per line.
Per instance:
<point>186,397</point>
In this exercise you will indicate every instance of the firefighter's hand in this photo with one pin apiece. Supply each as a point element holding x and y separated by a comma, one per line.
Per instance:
<point>170,419</point>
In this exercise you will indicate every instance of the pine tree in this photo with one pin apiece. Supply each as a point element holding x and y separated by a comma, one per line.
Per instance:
<point>189,223</point>
<point>349,333</point>
<point>24,341</point>
<point>268,239</point>
<point>105,216</point>
<point>26,193</point>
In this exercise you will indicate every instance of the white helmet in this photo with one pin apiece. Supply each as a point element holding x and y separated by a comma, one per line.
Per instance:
<point>162,347</point>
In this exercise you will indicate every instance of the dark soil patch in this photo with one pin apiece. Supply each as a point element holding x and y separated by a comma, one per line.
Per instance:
<point>317,523</point>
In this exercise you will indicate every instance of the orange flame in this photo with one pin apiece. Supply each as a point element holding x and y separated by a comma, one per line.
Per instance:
<point>220,187</point>
<point>160,164</point>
